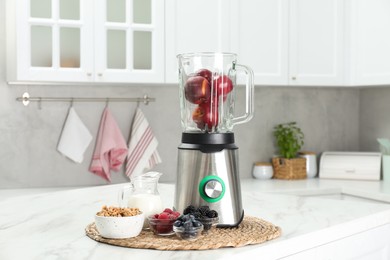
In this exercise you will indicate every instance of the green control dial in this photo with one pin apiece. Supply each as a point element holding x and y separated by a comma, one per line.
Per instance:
<point>212,188</point>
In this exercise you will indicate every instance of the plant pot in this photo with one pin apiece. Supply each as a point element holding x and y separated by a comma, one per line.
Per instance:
<point>289,169</point>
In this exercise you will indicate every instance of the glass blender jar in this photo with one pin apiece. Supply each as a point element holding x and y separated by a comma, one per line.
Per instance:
<point>207,171</point>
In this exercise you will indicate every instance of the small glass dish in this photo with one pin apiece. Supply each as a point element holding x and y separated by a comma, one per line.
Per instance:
<point>208,223</point>
<point>161,227</point>
<point>191,233</point>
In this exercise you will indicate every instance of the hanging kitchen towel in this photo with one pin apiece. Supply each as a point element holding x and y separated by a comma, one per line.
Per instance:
<point>110,150</point>
<point>75,137</point>
<point>143,154</point>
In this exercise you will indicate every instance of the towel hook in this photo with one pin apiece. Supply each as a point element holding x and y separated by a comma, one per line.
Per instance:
<point>107,100</point>
<point>40,103</point>
<point>146,99</point>
<point>71,102</point>
<point>26,99</point>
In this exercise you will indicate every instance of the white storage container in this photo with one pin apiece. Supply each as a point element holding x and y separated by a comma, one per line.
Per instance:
<point>350,165</point>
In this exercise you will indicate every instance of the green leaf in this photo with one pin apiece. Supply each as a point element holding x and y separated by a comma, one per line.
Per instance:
<point>289,139</point>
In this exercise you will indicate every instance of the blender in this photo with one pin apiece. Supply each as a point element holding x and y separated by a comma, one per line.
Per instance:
<point>207,169</point>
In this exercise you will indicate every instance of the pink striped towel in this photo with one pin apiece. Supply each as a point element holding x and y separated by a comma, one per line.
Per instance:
<point>142,154</point>
<point>110,150</point>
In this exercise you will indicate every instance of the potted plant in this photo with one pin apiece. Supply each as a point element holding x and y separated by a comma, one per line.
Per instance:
<point>289,140</point>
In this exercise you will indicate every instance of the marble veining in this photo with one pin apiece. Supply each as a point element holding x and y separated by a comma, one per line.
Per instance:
<point>51,225</point>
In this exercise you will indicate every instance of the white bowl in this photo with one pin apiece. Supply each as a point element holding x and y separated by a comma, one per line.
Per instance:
<point>119,227</point>
<point>263,171</point>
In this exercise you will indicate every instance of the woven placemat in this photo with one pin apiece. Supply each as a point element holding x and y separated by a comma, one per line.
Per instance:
<point>251,231</point>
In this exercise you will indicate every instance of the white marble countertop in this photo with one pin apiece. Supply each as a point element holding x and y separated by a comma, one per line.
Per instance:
<point>50,224</point>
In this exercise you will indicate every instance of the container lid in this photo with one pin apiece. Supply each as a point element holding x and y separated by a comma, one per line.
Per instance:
<point>307,153</point>
<point>263,164</point>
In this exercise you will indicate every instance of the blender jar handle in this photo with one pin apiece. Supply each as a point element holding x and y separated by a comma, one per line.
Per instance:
<point>249,94</point>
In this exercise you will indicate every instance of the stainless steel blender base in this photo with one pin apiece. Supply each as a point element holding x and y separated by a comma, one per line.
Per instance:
<point>210,179</point>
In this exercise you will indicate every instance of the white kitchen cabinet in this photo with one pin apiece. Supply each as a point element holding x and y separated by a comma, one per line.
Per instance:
<point>254,29</point>
<point>368,27</point>
<point>260,38</point>
<point>296,42</point>
<point>316,42</point>
<point>368,245</point>
<point>60,41</point>
<point>195,26</point>
<point>129,41</point>
<point>49,40</point>
<point>285,42</point>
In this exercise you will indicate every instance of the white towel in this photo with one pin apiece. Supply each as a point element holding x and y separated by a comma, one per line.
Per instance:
<point>143,154</point>
<point>75,137</point>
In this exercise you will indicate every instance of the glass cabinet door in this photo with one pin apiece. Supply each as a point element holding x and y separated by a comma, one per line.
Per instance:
<point>55,42</point>
<point>64,41</point>
<point>129,38</point>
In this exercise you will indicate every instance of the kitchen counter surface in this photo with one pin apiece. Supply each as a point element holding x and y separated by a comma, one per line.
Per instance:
<point>50,224</point>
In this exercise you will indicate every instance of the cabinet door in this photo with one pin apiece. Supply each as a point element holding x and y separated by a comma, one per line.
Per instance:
<point>367,245</point>
<point>49,40</point>
<point>129,41</point>
<point>316,42</point>
<point>195,26</point>
<point>260,38</point>
<point>370,41</point>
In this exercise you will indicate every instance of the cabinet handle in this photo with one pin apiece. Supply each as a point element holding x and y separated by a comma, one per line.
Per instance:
<point>293,78</point>
<point>89,74</point>
<point>100,74</point>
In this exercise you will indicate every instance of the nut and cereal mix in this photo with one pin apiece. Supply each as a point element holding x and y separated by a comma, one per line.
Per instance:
<point>118,212</point>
